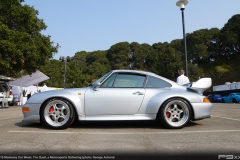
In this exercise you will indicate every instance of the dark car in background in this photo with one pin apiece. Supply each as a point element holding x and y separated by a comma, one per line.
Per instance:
<point>215,98</point>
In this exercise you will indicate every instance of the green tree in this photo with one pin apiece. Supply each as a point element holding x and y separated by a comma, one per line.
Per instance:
<point>118,55</point>
<point>201,45</point>
<point>76,76</point>
<point>164,60</point>
<point>22,46</point>
<point>55,71</point>
<point>97,65</point>
<point>225,53</point>
<point>230,36</point>
<point>138,54</point>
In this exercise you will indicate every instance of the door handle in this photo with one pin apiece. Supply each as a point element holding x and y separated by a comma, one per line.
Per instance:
<point>139,93</point>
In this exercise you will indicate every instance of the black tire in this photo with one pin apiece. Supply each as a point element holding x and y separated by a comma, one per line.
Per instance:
<point>10,103</point>
<point>223,100</point>
<point>175,113</point>
<point>57,114</point>
<point>234,100</point>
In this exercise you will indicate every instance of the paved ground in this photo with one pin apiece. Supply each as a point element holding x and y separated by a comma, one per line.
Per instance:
<point>204,139</point>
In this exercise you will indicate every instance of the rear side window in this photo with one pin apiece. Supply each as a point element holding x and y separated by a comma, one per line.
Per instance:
<point>154,82</point>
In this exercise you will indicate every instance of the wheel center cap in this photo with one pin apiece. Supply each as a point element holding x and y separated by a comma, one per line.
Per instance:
<point>57,112</point>
<point>175,113</point>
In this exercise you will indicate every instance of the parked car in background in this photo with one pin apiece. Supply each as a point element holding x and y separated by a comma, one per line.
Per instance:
<point>215,98</point>
<point>231,98</point>
<point>5,92</point>
<point>122,95</point>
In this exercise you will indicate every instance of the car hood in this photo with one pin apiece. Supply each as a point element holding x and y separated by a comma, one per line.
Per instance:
<point>42,96</point>
<point>61,91</point>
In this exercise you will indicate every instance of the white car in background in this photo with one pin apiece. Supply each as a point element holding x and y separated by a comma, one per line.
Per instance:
<point>5,92</point>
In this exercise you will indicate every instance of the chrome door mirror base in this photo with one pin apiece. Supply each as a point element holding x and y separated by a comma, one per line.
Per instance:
<point>96,86</point>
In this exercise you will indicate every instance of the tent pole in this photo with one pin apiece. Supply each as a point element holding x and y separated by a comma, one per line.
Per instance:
<point>21,98</point>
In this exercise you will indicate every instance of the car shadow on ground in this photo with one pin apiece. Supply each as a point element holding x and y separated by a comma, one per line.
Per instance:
<point>30,125</point>
<point>105,125</point>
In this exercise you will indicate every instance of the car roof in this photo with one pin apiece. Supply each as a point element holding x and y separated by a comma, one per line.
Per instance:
<point>5,82</point>
<point>134,71</point>
<point>6,79</point>
<point>143,72</point>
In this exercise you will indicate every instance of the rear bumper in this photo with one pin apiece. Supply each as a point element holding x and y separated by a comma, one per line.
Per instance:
<point>201,110</point>
<point>9,99</point>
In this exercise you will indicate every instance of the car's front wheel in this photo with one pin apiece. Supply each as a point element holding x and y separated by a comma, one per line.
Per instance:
<point>57,114</point>
<point>175,113</point>
<point>223,101</point>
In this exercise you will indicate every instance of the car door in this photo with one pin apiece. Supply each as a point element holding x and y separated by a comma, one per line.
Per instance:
<point>229,98</point>
<point>120,94</point>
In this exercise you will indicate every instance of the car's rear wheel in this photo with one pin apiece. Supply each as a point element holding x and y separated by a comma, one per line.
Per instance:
<point>223,101</point>
<point>57,114</point>
<point>175,113</point>
<point>234,100</point>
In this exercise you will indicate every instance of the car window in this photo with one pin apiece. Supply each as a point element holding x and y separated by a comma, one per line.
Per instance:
<point>154,82</point>
<point>3,87</point>
<point>109,82</point>
<point>129,81</point>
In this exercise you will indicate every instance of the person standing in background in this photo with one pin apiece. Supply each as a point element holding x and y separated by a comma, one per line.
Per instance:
<point>182,79</point>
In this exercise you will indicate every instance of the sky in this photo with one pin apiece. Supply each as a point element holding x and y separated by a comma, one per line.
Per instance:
<point>91,25</point>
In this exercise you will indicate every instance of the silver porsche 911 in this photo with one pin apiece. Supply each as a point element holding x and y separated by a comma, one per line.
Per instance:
<point>122,95</point>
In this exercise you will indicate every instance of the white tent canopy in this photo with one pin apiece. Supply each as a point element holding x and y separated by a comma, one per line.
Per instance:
<point>29,80</point>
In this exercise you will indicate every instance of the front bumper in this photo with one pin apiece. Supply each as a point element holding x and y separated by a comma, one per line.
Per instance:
<point>33,114</point>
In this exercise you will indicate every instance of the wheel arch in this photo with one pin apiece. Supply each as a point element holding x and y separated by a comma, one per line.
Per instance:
<point>61,98</point>
<point>177,97</point>
<point>234,100</point>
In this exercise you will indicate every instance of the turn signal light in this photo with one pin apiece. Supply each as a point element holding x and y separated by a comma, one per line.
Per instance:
<point>206,99</point>
<point>24,109</point>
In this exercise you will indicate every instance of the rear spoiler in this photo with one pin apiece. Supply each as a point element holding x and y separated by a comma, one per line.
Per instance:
<point>200,86</point>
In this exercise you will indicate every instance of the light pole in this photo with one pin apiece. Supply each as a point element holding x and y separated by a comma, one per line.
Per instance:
<point>73,83</point>
<point>182,4</point>
<point>65,59</point>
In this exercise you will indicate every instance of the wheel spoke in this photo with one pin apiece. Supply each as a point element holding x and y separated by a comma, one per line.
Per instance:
<point>171,118</point>
<point>62,109</point>
<point>51,114</point>
<point>175,107</point>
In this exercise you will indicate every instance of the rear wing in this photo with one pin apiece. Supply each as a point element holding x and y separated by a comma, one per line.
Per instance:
<point>201,85</point>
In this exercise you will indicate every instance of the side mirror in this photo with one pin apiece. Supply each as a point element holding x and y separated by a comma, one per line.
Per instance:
<point>96,85</point>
